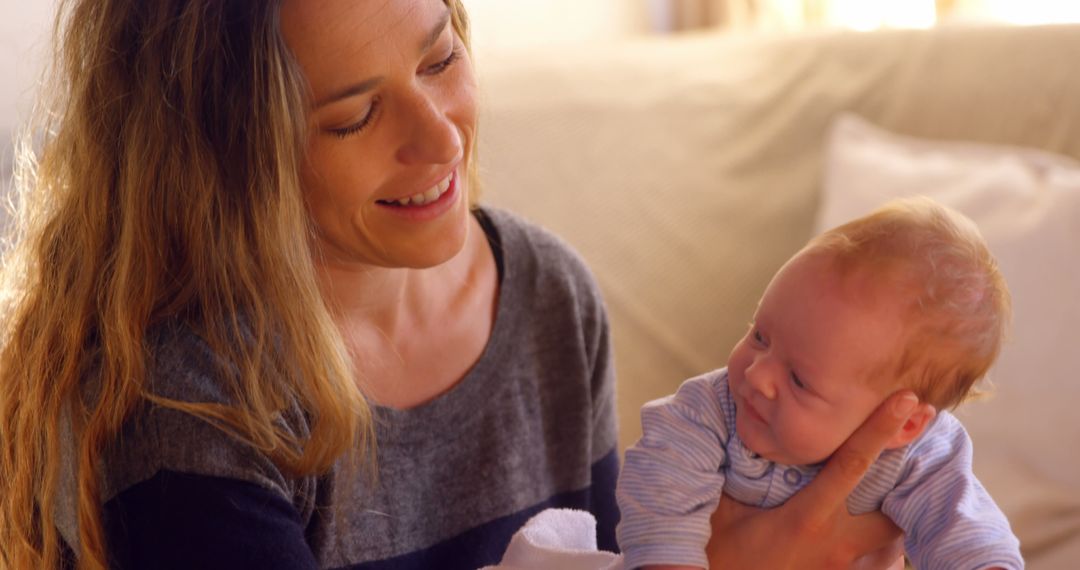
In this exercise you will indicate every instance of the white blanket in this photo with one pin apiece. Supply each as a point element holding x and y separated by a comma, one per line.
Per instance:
<point>557,538</point>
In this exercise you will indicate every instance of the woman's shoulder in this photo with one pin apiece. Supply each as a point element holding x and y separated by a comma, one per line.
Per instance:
<point>160,437</point>
<point>182,366</point>
<point>163,434</point>
<point>534,254</point>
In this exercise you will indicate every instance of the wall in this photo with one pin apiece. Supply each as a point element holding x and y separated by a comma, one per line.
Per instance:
<point>508,24</point>
<point>24,30</point>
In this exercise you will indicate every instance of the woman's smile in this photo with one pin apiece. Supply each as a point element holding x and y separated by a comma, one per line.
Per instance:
<point>426,205</point>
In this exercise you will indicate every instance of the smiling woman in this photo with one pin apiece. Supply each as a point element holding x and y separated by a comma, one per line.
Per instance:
<point>392,124</point>
<point>255,317</point>
<point>260,320</point>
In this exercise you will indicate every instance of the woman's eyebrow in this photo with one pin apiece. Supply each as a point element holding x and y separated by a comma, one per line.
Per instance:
<point>435,32</point>
<point>351,91</point>
<point>369,84</point>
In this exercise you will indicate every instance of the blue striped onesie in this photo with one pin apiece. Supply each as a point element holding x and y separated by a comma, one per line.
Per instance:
<point>690,452</point>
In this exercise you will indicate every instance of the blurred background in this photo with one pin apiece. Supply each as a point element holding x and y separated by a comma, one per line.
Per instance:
<point>515,23</point>
<point>510,24</point>
<point>684,148</point>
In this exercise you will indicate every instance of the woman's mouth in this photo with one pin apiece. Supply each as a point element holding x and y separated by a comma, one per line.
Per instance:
<point>420,199</point>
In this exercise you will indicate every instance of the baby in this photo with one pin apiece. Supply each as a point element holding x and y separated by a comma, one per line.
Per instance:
<point>906,297</point>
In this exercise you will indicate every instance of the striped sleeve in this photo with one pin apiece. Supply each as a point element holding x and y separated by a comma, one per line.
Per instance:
<point>949,519</point>
<point>671,481</point>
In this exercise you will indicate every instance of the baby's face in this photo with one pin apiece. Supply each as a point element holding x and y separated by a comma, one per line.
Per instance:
<point>801,375</point>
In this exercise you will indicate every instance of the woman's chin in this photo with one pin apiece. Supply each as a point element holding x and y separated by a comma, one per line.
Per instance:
<point>422,245</point>
<point>439,248</point>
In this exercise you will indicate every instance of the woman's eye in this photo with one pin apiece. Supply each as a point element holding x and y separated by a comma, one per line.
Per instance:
<point>360,125</point>
<point>444,64</point>
<point>795,380</point>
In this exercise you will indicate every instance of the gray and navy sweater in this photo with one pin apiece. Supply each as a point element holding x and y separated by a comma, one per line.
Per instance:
<point>531,426</point>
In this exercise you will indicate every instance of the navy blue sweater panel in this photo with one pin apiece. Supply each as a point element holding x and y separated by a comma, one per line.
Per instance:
<point>179,520</point>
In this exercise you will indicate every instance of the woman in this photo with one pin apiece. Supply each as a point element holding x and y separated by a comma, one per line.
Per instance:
<point>250,257</point>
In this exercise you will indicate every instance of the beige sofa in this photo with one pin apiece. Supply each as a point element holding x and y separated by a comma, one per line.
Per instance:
<point>685,171</point>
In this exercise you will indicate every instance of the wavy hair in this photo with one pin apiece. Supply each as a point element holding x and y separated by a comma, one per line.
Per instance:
<point>163,187</point>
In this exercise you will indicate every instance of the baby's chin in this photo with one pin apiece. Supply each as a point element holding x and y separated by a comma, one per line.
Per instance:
<point>796,457</point>
<point>751,443</point>
<point>783,457</point>
<point>789,459</point>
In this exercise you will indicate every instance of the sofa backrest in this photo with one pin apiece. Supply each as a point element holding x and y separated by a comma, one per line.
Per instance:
<point>687,170</point>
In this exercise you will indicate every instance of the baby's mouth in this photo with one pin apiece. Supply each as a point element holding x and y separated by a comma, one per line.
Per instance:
<point>749,410</point>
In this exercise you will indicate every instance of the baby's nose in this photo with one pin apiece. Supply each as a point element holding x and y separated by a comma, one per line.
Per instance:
<point>768,390</point>
<point>760,376</point>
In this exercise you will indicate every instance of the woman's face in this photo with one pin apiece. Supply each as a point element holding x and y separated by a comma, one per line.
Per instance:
<point>392,121</point>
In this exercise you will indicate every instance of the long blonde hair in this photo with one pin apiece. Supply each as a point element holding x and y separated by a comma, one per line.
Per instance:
<point>165,188</point>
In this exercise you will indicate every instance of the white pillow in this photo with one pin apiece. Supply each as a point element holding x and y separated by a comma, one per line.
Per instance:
<point>1027,204</point>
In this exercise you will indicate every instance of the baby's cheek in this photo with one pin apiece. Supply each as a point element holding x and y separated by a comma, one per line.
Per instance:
<point>738,360</point>
<point>814,443</point>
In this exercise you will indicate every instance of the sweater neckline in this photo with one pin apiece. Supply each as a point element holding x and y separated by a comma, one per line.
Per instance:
<point>456,406</point>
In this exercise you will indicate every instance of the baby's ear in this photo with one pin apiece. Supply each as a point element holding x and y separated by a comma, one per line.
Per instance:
<point>914,426</point>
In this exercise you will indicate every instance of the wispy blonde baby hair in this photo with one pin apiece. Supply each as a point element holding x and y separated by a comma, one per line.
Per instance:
<point>956,302</point>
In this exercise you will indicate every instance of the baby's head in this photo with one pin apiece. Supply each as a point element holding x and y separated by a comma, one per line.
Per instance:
<point>906,297</point>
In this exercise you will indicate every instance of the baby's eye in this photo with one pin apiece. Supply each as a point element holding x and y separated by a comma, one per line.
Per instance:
<point>795,380</point>
<point>759,338</point>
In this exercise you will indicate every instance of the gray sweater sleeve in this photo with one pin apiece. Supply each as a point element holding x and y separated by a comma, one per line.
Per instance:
<point>159,439</point>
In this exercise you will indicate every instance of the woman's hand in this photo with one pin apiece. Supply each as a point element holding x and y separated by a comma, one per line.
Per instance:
<point>813,529</point>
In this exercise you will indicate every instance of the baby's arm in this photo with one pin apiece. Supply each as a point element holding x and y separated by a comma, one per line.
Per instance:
<point>948,518</point>
<point>671,482</point>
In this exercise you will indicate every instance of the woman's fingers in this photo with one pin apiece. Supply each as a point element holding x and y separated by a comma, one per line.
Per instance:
<point>875,533</point>
<point>746,537</point>
<point>846,467</point>
<point>881,541</point>
<point>731,512</point>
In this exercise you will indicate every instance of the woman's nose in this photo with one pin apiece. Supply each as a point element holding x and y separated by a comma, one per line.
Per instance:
<point>761,377</point>
<point>430,137</point>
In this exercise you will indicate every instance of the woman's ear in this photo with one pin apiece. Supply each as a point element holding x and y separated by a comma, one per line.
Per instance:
<point>913,427</point>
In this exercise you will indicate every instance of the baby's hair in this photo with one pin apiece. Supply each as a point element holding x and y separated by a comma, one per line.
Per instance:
<point>957,303</point>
